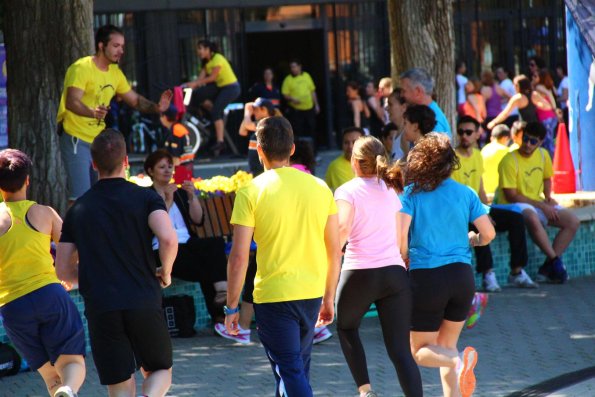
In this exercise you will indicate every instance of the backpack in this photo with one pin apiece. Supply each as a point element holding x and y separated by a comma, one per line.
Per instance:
<point>10,361</point>
<point>180,315</point>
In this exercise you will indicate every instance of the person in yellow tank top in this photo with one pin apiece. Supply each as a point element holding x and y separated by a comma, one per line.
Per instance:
<point>293,218</point>
<point>89,86</point>
<point>38,315</point>
<point>215,88</point>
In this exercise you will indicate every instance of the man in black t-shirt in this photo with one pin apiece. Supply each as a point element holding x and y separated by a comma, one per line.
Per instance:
<point>111,227</point>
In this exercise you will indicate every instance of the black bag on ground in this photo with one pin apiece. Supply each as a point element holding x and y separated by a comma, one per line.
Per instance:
<point>10,361</point>
<point>180,315</point>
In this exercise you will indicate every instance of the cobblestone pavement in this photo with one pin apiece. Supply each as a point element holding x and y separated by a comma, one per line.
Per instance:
<point>524,338</point>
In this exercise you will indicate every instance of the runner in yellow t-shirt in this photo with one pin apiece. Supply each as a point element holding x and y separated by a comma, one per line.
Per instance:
<point>525,179</point>
<point>89,86</point>
<point>293,218</point>
<point>505,220</point>
<point>339,170</point>
<point>300,92</point>
<point>215,88</point>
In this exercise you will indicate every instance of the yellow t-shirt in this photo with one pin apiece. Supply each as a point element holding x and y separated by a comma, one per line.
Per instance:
<point>226,75</point>
<point>99,88</point>
<point>526,174</point>
<point>301,88</point>
<point>338,172</point>
<point>289,210</point>
<point>26,263</point>
<point>492,154</point>
<point>471,170</point>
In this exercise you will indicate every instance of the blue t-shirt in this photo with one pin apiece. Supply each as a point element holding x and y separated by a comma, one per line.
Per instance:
<point>442,124</point>
<point>440,223</point>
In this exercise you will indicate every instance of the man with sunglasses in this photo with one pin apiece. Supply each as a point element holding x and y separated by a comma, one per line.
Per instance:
<point>525,179</point>
<point>470,174</point>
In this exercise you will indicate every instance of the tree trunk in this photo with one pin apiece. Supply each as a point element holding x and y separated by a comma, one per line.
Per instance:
<point>42,39</point>
<point>422,35</point>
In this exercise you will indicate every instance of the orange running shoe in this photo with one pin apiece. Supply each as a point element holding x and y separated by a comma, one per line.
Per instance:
<point>466,376</point>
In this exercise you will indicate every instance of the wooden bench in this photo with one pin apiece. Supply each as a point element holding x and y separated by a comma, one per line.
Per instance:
<point>217,214</point>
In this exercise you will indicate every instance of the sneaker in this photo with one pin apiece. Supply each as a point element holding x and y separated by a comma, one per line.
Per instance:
<point>465,375</point>
<point>558,275</point>
<point>478,305</point>
<point>490,284</point>
<point>521,280</point>
<point>242,337</point>
<point>64,391</point>
<point>369,393</point>
<point>321,334</point>
<point>543,274</point>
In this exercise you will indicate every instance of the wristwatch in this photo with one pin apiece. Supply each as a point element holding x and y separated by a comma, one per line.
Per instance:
<point>229,311</point>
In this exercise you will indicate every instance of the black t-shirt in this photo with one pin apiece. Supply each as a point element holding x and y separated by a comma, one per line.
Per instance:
<point>261,90</point>
<point>109,225</point>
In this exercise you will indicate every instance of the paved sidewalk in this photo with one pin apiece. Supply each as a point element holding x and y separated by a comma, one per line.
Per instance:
<point>525,337</point>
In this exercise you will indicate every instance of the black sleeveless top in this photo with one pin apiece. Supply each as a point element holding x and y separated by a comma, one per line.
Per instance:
<point>529,112</point>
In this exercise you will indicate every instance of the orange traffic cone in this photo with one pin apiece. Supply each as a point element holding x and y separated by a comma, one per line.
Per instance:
<point>564,180</point>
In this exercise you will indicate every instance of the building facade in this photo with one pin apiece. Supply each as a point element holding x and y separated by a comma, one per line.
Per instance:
<point>336,41</point>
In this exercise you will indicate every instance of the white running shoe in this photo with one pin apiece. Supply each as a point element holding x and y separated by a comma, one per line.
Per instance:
<point>522,280</point>
<point>64,391</point>
<point>490,283</point>
<point>321,334</point>
<point>242,337</point>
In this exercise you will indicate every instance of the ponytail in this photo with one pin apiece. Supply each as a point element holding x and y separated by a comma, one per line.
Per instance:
<point>390,173</point>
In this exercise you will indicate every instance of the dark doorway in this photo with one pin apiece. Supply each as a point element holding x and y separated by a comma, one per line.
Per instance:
<point>275,49</point>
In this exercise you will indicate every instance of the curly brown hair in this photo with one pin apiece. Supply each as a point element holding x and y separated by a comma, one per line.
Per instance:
<point>431,161</point>
<point>370,155</point>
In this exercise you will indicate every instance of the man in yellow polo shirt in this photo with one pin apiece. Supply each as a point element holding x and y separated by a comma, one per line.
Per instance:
<point>470,174</point>
<point>492,153</point>
<point>293,218</point>
<point>300,92</point>
<point>525,180</point>
<point>89,86</point>
<point>339,170</point>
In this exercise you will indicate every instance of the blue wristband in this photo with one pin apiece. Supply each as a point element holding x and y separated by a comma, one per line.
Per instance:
<point>229,311</point>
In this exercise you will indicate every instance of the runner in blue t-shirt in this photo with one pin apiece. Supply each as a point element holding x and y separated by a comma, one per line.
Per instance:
<point>436,214</point>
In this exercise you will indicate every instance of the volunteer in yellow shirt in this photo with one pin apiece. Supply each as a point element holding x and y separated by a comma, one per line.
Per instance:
<point>216,83</point>
<point>89,86</point>
<point>38,315</point>
<point>525,180</point>
<point>492,153</point>
<point>339,170</point>
<point>293,218</point>
<point>299,91</point>
<point>505,220</point>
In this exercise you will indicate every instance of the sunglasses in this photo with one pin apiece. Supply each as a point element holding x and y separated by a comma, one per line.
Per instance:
<point>531,140</point>
<point>462,132</point>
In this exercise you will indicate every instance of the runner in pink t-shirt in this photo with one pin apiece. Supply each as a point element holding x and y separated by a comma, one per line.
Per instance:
<point>373,270</point>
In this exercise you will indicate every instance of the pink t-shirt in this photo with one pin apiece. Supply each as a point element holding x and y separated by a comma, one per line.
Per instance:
<point>372,242</point>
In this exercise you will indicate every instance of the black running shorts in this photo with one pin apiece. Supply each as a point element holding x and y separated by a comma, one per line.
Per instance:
<point>441,293</point>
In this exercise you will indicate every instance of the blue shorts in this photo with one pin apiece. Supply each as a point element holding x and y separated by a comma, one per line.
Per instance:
<point>43,325</point>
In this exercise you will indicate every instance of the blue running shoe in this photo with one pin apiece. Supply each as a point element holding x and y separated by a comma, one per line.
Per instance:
<point>558,274</point>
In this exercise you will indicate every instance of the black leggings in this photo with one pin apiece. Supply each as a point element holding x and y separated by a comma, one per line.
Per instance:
<point>387,287</point>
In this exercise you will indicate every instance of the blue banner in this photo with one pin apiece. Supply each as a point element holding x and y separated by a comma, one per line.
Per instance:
<point>3,100</point>
<point>581,100</point>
